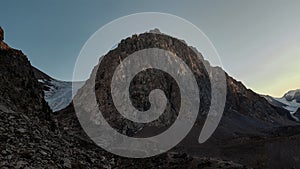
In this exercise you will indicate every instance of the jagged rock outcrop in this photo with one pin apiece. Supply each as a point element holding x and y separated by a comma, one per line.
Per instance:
<point>3,45</point>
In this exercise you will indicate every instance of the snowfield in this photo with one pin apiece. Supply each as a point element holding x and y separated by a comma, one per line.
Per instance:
<point>291,106</point>
<point>290,101</point>
<point>58,94</point>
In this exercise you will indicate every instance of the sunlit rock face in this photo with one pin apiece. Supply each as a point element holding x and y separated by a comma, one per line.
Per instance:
<point>3,45</point>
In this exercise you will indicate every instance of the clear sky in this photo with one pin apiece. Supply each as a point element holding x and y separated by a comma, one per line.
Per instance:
<point>258,41</point>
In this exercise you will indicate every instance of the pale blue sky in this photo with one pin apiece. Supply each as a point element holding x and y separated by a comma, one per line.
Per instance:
<point>258,41</point>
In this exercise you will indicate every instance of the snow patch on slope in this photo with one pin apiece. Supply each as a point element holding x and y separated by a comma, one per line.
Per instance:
<point>290,101</point>
<point>58,94</point>
<point>291,106</point>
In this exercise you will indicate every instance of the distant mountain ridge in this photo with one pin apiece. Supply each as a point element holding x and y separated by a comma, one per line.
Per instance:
<point>290,101</point>
<point>293,95</point>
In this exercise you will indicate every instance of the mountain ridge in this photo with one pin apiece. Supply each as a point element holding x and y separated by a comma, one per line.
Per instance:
<point>248,118</point>
<point>31,137</point>
<point>290,102</point>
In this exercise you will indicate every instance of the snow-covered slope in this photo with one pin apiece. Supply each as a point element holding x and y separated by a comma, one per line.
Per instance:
<point>292,106</point>
<point>58,94</point>
<point>290,101</point>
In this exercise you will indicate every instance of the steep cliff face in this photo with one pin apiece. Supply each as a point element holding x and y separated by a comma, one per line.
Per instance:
<point>28,135</point>
<point>148,80</point>
<point>3,45</point>
<point>19,87</point>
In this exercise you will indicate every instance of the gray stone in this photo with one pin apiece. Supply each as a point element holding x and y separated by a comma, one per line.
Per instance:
<point>67,163</point>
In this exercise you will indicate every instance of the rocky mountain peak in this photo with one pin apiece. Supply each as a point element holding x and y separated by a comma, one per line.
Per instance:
<point>293,95</point>
<point>154,79</point>
<point>155,30</point>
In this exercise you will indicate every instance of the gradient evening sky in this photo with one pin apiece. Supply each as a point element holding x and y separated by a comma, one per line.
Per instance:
<point>258,41</point>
